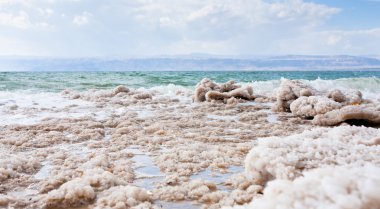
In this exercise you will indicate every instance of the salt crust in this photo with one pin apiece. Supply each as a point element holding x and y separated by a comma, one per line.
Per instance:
<point>289,91</point>
<point>207,90</point>
<point>368,113</point>
<point>112,192</point>
<point>336,187</point>
<point>287,158</point>
<point>347,97</point>
<point>313,105</point>
<point>13,164</point>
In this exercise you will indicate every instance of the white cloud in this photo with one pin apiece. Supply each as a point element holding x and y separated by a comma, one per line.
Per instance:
<point>45,12</point>
<point>333,40</point>
<point>82,19</point>
<point>151,27</point>
<point>17,20</point>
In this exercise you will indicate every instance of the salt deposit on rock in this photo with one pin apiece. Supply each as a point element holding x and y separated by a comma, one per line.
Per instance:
<point>71,194</point>
<point>313,105</point>
<point>243,93</point>
<point>192,190</point>
<point>330,187</point>
<point>123,197</point>
<point>347,97</point>
<point>120,89</point>
<point>81,190</point>
<point>336,95</point>
<point>207,90</point>
<point>143,96</point>
<point>367,114</point>
<point>289,91</point>
<point>287,158</point>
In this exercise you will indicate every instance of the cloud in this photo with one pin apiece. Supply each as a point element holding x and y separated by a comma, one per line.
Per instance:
<point>333,39</point>
<point>45,12</point>
<point>153,27</point>
<point>17,20</point>
<point>82,19</point>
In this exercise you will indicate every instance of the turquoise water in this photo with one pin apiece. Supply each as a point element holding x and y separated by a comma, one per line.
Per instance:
<point>58,81</point>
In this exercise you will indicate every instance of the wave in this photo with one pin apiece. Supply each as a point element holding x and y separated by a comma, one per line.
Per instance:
<point>370,87</point>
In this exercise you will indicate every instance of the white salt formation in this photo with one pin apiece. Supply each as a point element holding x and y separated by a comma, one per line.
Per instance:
<point>337,96</point>
<point>289,91</point>
<point>304,101</point>
<point>207,90</point>
<point>363,114</point>
<point>14,165</point>
<point>338,187</point>
<point>123,197</point>
<point>313,105</point>
<point>347,97</point>
<point>287,158</point>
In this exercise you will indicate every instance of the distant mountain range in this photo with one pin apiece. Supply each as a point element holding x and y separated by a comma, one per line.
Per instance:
<point>192,63</point>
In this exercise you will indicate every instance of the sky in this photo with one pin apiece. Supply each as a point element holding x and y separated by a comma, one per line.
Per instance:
<point>139,28</point>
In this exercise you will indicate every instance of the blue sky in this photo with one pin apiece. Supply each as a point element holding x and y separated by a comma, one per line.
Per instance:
<point>129,28</point>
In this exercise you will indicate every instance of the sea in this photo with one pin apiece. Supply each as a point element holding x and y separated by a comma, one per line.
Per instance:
<point>29,93</point>
<point>58,81</point>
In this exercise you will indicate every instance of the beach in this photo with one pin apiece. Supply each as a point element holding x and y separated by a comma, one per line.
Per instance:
<point>190,140</point>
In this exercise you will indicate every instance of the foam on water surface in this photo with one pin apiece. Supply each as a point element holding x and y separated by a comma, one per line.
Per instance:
<point>27,108</point>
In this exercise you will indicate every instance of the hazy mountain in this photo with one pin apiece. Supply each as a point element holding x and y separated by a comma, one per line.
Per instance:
<point>198,62</point>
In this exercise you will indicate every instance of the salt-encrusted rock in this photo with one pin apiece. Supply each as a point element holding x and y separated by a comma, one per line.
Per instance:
<point>203,87</point>
<point>313,105</point>
<point>200,94</point>
<point>353,97</point>
<point>287,158</point>
<point>366,113</point>
<point>289,91</point>
<point>336,95</point>
<point>207,90</point>
<point>80,191</point>
<point>193,190</point>
<point>347,97</point>
<point>71,194</point>
<point>216,95</point>
<point>330,187</point>
<point>145,95</point>
<point>242,93</point>
<point>120,89</point>
<point>228,86</point>
<point>123,197</point>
